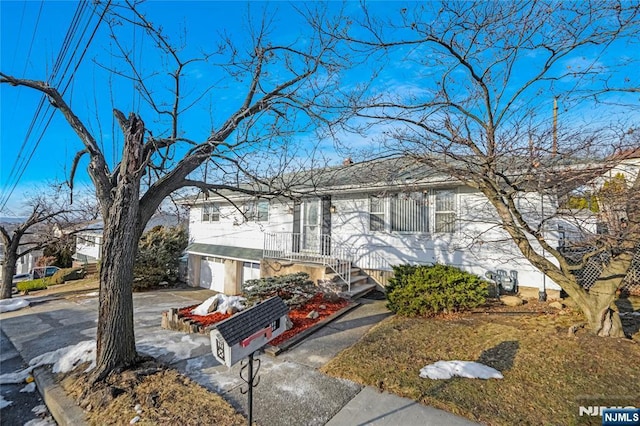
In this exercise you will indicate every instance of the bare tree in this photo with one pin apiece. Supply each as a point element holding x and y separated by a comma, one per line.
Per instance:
<point>467,88</point>
<point>278,81</point>
<point>35,233</point>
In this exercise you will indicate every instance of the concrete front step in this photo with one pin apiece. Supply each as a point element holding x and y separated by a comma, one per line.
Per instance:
<point>359,290</point>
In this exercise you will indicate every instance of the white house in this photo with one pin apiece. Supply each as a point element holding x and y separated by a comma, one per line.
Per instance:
<point>368,216</point>
<point>89,237</point>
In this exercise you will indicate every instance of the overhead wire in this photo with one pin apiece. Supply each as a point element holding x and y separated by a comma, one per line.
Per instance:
<point>73,28</point>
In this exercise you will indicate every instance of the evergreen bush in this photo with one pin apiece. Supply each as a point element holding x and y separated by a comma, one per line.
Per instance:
<point>294,289</point>
<point>430,290</point>
<point>67,274</point>
<point>158,258</point>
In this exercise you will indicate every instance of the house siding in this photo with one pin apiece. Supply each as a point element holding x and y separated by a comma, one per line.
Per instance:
<point>478,244</point>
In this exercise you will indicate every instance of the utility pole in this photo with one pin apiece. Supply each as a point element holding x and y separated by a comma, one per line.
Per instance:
<point>554,148</point>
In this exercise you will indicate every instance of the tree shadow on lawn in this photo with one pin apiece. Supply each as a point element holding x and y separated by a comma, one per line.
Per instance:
<point>628,316</point>
<point>501,357</point>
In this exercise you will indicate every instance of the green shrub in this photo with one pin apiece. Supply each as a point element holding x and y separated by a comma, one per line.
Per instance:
<point>433,289</point>
<point>39,284</point>
<point>401,274</point>
<point>158,257</point>
<point>67,274</point>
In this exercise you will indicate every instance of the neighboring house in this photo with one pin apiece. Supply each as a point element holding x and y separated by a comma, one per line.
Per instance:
<point>88,243</point>
<point>89,237</point>
<point>25,263</point>
<point>368,216</point>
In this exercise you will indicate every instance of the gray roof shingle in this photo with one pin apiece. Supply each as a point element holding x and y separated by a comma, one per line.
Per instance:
<point>254,319</point>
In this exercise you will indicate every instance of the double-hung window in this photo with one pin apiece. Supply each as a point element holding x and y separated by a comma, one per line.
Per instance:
<point>445,211</point>
<point>410,212</point>
<point>376,213</point>
<point>257,211</point>
<point>210,213</point>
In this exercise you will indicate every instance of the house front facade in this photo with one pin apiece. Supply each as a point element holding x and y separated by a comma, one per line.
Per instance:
<point>372,215</point>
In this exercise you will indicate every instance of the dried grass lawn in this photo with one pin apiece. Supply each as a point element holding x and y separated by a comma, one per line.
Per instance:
<point>547,373</point>
<point>161,395</point>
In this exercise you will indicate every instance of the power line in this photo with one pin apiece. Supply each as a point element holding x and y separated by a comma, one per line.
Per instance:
<point>73,28</point>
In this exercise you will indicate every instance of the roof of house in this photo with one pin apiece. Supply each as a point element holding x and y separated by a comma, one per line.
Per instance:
<point>252,320</point>
<point>407,173</point>
<point>229,252</point>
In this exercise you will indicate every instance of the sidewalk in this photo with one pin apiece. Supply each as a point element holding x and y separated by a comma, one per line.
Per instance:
<point>291,390</point>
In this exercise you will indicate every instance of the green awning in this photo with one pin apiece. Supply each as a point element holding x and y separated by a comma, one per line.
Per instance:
<point>226,252</point>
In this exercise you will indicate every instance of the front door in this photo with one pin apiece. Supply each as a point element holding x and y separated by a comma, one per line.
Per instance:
<point>311,225</point>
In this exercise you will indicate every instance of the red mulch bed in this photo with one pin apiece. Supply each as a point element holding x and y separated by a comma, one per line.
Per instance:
<point>297,315</point>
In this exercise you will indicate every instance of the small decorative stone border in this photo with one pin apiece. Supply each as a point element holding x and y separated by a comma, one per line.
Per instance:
<point>172,321</point>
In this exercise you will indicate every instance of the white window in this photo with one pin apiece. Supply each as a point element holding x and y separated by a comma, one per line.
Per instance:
<point>376,213</point>
<point>210,213</point>
<point>410,212</point>
<point>257,211</point>
<point>89,241</point>
<point>445,211</point>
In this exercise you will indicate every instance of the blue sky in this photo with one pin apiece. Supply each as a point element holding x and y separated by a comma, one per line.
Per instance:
<point>32,33</point>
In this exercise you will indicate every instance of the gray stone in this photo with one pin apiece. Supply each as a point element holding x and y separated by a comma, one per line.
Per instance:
<point>213,307</point>
<point>511,300</point>
<point>313,315</point>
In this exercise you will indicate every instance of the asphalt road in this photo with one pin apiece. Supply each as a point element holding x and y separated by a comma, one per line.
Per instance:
<point>21,409</point>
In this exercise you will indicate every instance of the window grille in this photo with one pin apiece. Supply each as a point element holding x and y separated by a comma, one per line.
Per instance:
<point>257,211</point>
<point>376,213</point>
<point>210,213</point>
<point>445,212</point>
<point>410,212</point>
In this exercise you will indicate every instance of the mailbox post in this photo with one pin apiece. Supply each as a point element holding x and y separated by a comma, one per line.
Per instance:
<point>244,333</point>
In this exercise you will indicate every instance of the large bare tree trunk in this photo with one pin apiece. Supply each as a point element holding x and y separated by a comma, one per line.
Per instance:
<point>599,307</point>
<point>115,338</point>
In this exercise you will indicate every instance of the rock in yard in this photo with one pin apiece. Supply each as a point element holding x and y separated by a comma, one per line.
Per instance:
<point>322,307</point>
<point>511,300</point>
<point>232,310</point>
<point>556,305</point>
<point>213,307</point>
<point>289,323</point>
<point>313,315</point>
<point>330,297</point>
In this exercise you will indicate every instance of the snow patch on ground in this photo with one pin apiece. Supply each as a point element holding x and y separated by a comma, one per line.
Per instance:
<point>31,387</point>
<point>4,402</point>
<point>16,377</point>
<point>65,359</point>
<point>41,422</point>
<point>442,370</point>
<point>8,305</point>
<point>224,303</point>
<point>39,410</point>
<point>158,345</point>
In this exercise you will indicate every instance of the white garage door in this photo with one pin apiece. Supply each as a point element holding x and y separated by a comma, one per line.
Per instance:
<point>212,273</point>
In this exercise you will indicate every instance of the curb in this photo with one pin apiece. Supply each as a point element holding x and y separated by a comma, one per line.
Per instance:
<point>61,406</point>
<point>286,345</point>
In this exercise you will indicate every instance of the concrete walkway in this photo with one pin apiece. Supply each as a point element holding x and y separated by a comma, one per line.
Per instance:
<point>291,390</point>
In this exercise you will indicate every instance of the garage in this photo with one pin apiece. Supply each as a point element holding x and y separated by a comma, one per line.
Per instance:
<point>212,273</point>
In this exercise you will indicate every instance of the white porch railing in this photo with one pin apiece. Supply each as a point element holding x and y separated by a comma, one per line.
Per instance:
<point>304,248</point>
<point>325,250</point>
